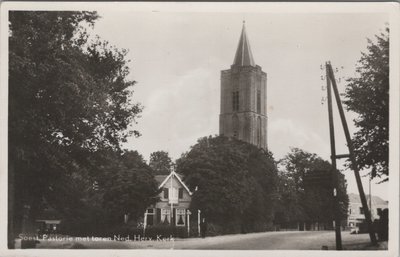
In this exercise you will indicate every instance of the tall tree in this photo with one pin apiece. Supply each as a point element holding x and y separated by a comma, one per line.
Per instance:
<point>368,95</point>
<point>160,162</point>
<point>121,183</point>
<point>69,99</point>
<point>307,188</point>
<point>289,208</point>
<point>128,186</point>
<point>235,181</point>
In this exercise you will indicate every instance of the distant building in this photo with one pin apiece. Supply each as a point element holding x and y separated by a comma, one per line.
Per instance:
<point>356,212</point>
<point>174,203</point>
<point>244,98</point>
<point>48,221</point>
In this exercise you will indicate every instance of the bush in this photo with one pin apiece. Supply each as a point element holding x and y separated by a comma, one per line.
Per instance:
<point>161,231</point>
<point>78,246</point>
<point>29,244</point>
<point>194,232</point>
<point>166,231</point>
<point>214,230</point>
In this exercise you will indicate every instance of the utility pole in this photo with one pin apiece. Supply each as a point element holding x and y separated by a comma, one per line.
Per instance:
<point>331,77</point>
<point>334,169</point>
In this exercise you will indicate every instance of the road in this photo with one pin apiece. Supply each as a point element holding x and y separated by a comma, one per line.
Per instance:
<point>293,240</point>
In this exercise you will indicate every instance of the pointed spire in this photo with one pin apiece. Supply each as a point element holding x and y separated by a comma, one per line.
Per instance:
<point>243,56</point>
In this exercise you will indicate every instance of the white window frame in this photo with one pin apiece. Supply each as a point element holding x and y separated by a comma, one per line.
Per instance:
<point>180,211</point>
<point>164,212</point>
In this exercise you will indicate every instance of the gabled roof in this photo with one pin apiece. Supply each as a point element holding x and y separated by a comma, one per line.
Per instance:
<point>172,174</point>
<point>355,198</point>
<point>160,178</point>
<point>243,56</point>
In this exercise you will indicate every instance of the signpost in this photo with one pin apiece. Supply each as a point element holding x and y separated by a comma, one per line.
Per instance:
<point>198,221</point>
<point>171,198</point>
<point>188,213</point>
<point>144,223</point>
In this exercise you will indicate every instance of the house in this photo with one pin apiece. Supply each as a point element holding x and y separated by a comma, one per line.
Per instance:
<point>174,203</point>
<point>356,212</point>
<point>48,221</point>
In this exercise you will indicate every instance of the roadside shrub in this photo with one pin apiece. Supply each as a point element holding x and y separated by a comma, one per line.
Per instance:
<point>162,231</point>
<point>78,246</point>
<point>214,230</point>
<point>166,231</point>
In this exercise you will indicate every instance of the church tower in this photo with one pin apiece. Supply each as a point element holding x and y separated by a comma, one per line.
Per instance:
<point>244,98</point>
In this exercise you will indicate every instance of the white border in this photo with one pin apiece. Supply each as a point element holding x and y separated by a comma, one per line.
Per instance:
<point>391,8</point>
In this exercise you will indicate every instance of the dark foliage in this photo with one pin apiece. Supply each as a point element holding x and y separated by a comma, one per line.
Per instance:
<point>69,110</point>
<point>368,95</point>
<point>306,189</point>
<point>130,190</point>
<point>160,163</point>
<point>236,183</point>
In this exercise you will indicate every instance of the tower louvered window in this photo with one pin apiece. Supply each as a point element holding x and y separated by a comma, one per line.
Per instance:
<point>258,101</point>
<point>258,131</point>
<point>235,101</point>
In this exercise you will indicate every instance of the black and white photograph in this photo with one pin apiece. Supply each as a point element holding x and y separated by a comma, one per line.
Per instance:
<point>200,126</point>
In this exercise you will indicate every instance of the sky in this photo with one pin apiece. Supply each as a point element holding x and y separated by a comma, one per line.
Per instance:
<point>176,59</point>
